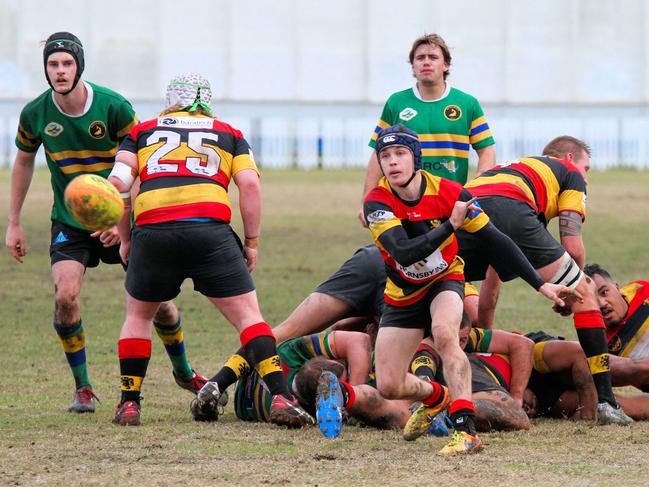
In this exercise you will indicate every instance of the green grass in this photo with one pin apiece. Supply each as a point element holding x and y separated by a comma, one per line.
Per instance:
<point>309,228</point>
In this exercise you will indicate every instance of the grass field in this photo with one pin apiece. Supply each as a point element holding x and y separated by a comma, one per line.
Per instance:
<point>309,228</point>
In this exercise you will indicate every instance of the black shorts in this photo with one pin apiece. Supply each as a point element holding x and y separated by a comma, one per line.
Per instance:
<point>417,315</point>
<point>522,224</point>
<point>360,282</point>
<point>481,379</point>
<point>70,243</point>
<point>165,254</point>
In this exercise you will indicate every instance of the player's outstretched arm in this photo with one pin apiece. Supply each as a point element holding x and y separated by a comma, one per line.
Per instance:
<point>21,178</point>
<point>247,181</point>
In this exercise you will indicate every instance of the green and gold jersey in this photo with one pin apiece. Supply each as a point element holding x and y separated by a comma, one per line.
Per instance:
<point>447,128</point>
<point>75,145</point>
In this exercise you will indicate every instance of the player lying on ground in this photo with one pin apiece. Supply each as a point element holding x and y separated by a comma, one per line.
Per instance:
<point>561,385</point>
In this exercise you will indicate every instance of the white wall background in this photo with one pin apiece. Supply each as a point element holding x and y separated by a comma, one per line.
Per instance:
<point>286,65</point>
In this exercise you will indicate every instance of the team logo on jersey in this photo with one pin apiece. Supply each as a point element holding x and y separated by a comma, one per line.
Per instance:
<point>53,129</point>
<point>379,216</point>
<point>615,345</point>
<point>407,114</point>
<point>187,122</point>
<point>97,129</point>
<point>453,112</point>
<point>450,166</point>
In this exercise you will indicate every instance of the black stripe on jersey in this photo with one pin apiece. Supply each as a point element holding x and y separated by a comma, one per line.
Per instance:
<point>631,327</point>
<point>511,172</point>
<point>174,181</point>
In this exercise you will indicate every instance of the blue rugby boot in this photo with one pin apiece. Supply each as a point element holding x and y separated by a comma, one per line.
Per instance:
<point>329,405</point>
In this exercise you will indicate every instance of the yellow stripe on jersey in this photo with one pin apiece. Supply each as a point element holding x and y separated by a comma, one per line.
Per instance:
<point>539,364</point>
<point>481,136</point>
<point>598,363</point>
<point>124,132</point>
<point>396,293</point>
<point>381,124</point>
<point>470,290</point>
<point>444,137</point>
<point>450,152</point>
<point>626,352</point>
<point>25,141</point>
<point>241,162</point>
<point>503,178</point>
<point>100,166</point>
<point>180,195</point>
<point>478,121</point>
<point>476,223</point>
<point>572,200</point>
<point>81,154</point>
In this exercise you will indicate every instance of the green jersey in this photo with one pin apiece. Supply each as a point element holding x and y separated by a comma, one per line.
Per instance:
<point>446,128</point>
<point>75,145</point>
<point>252,400</point>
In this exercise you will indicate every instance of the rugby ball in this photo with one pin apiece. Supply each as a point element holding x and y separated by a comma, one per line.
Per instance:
<point>94,202</point>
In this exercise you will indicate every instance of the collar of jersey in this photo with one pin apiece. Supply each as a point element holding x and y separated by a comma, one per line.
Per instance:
<point>415,91</point>
<point>85,108</point>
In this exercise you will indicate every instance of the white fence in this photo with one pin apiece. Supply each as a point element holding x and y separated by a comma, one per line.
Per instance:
<point>332,143</point>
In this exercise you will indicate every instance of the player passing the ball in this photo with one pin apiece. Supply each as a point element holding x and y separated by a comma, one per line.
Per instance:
<point>80,126</point>
<point>185,159</point>
<point>413,217</point>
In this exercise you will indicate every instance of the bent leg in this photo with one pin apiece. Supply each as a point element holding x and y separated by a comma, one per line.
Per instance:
<point>394,350</point>
<point>313,315</point>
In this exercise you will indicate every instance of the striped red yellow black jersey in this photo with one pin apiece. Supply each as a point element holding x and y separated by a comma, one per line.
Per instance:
<point>630,337</point>
<point>384,211</point>
<point>547,184</point>
<point>185,164</point>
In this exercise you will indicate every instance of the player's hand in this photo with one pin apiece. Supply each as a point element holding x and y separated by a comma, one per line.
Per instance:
<point>361,217</point>
<point>250,256</point>
<point>16,242</point>
<point>460,209</point>
<point>561,295</point>
<point>565,310</point>
<point>124,250</point>
<point>108,237</point>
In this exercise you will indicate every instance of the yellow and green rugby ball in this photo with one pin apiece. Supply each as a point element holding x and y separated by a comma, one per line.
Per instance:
<point>94,202</point>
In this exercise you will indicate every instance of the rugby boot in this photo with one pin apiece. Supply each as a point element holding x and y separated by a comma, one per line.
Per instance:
<point>421,420</point>
<point>329,405</point>
<point>462,443</point>
<point>192,385</point>
<point>607,414</point>
<point>206,405</point>
<point>83,400</point>
<point>288,412</point>
<point>127,414</point>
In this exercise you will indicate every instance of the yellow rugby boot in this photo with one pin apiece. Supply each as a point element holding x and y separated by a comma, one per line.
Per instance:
<point>422,418</point>
<point>462,443</point>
